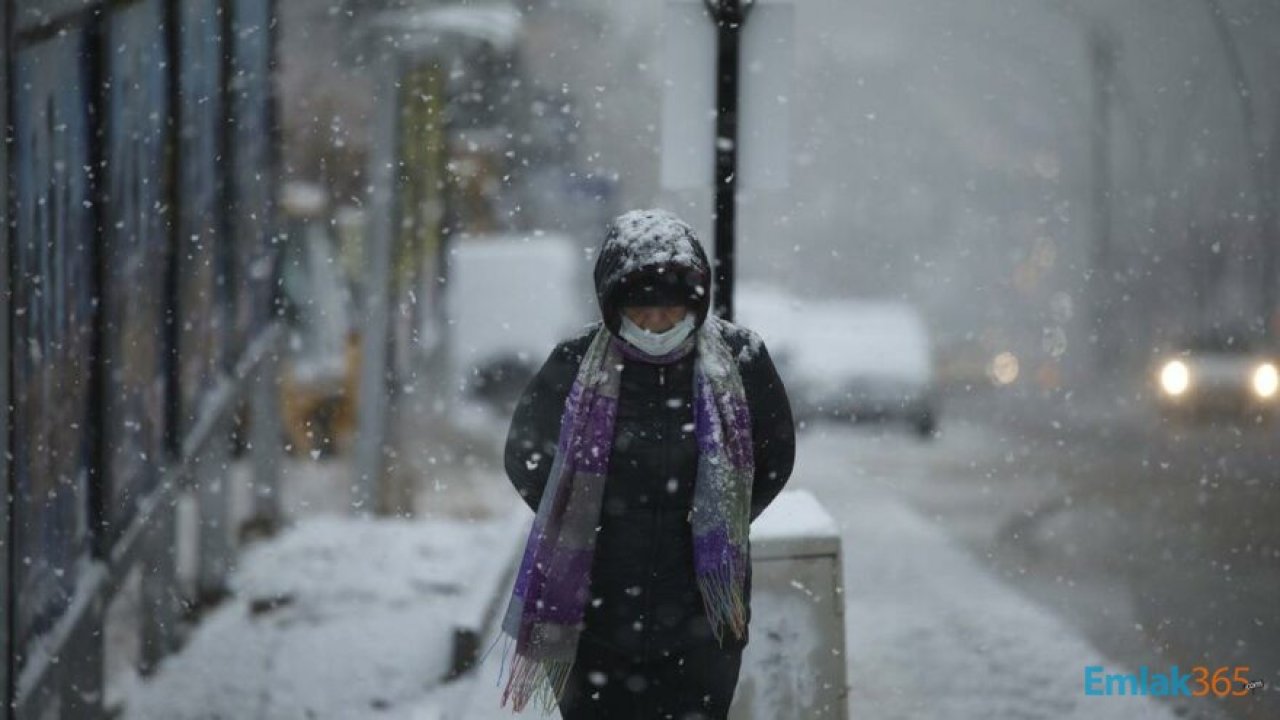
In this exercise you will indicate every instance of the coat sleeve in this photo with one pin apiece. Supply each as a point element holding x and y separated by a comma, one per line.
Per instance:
<point>535,425</point>
<point>773,433</point>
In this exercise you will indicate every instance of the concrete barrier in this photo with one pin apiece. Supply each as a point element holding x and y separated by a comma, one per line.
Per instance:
<point>491,589</point>
<point>795,663</point>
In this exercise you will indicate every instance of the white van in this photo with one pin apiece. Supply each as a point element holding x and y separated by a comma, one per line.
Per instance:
<point>852,359</point>
<point>509,300</point>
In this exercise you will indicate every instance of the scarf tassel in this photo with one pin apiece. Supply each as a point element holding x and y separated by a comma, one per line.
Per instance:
<point>721,591</point>
<point>542,681</point>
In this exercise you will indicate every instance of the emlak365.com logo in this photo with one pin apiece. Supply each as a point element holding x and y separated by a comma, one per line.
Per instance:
<point>1199,682</point>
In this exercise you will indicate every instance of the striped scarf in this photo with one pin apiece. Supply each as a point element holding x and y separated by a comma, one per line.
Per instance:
<point>552,587</point>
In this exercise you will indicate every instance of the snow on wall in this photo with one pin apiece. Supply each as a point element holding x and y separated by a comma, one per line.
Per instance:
<point>778,678</point>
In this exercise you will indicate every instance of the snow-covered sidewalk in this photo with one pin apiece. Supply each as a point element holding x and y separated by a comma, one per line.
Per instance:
<point>343,618</point>
<point>930,632</point>
<point>336,618</point>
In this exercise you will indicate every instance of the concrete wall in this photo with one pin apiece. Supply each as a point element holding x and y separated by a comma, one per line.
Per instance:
<point>795,663</point>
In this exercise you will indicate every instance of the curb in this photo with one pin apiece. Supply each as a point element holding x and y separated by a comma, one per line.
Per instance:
<point>478,618</point>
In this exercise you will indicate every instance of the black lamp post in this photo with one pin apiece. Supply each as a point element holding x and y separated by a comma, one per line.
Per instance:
<point>729,17</point>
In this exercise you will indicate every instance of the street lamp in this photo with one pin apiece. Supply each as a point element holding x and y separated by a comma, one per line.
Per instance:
<point>729,17</point>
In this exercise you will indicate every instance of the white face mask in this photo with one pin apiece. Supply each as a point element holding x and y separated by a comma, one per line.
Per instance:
<point>656,343</point>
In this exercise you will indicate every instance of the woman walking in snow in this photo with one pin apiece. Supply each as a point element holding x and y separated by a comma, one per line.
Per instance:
<point>645,445</point>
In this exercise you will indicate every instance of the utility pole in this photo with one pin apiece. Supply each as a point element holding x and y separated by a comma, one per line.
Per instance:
<point>1102,59</point>
<point>1264,192</point>
<point>375,371</point>
<point>729,17</point>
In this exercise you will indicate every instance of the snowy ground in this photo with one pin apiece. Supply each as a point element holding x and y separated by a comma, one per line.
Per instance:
<point>342,618</point>
<point>931,633</point>
<point>336,618</point>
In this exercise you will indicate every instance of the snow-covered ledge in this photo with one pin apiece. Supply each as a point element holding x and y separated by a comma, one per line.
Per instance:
<point>794,665</point>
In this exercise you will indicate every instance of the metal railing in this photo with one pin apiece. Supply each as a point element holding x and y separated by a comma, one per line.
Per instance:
<point>136,320</point>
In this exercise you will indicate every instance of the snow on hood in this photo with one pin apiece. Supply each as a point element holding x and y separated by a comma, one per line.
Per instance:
<point>650,241</point>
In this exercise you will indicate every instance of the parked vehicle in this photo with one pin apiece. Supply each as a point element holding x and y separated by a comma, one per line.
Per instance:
<point>843,358</point>
<point>510,299</point>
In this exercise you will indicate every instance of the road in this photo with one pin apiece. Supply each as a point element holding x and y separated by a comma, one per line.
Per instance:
<point>1162,545</point>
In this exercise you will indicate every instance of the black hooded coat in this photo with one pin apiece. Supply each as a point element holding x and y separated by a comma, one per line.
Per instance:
<point>646,603</point>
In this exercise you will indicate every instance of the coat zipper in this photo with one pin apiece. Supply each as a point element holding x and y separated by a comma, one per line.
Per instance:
<point>657,516</point>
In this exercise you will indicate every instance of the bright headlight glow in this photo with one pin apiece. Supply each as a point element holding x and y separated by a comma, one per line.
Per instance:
<point>1003,368</point>
<point>1175,377</point>
<point>1266,380</point>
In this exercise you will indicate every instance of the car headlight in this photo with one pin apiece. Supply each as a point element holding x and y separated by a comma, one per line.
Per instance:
<point>1003,368</point>
<point>1266,380</point>
<point>1175,377</point>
